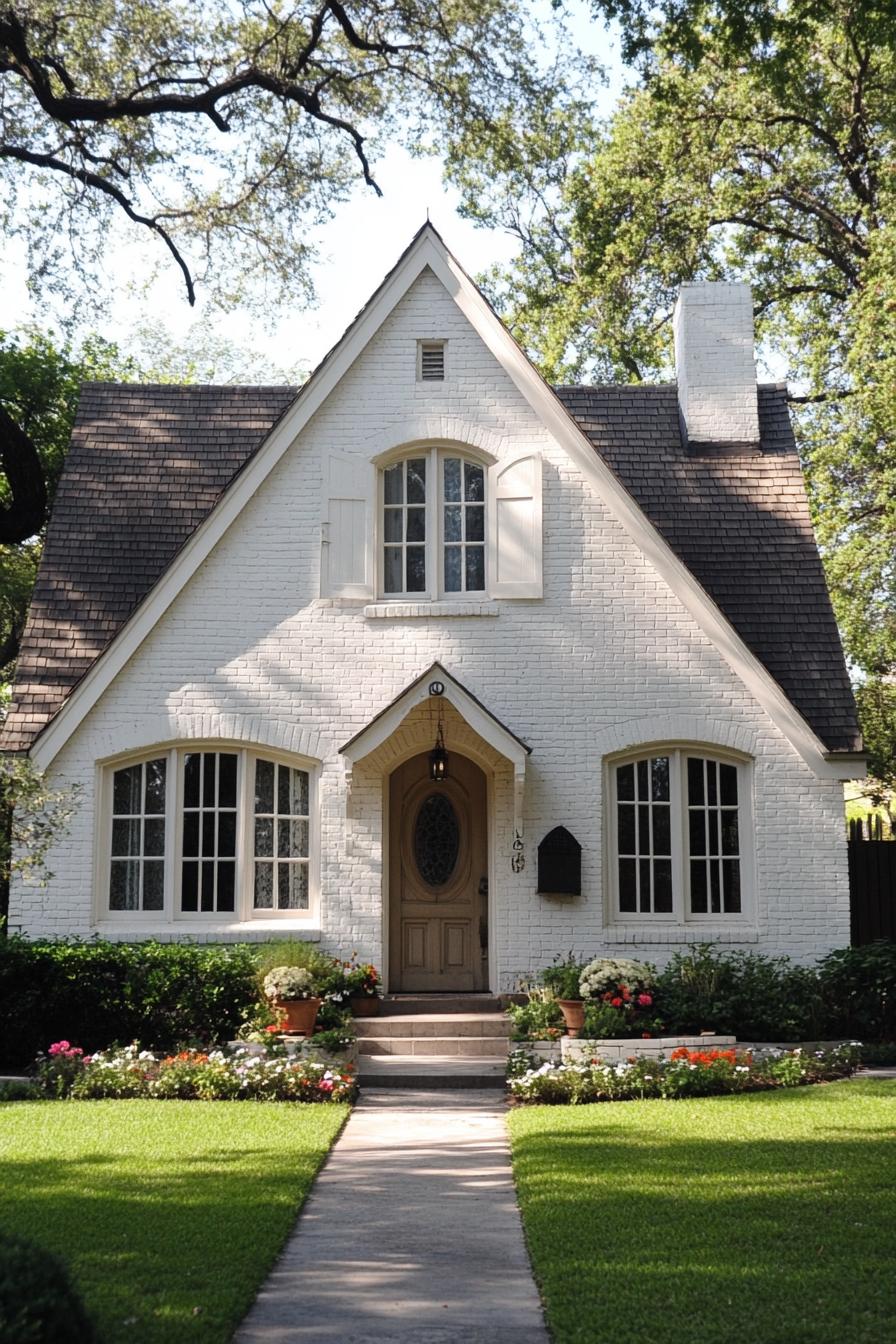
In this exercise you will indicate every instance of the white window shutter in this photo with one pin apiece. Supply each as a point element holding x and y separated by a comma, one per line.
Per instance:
<point>347,532</point>
<point>515,527</point>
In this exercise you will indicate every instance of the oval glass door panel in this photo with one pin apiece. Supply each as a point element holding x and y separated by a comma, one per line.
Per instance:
<point>436,840</point>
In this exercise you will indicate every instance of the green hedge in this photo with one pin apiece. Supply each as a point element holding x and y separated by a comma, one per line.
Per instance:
<point>850,992</point>
<point>97,994</point>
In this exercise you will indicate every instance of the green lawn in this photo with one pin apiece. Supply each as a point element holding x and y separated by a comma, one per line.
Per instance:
<point>762,1219</point>
<point>168,1213</point>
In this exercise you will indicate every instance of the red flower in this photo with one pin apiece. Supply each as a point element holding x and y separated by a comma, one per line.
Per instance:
<point>644,1000</point>
<point>645,1036</point>
<point>617,1002</point>
<point>608,996</point>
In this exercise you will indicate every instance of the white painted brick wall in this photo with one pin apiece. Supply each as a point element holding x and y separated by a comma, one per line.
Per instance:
<point>715,368</point>
<point>609,657</point>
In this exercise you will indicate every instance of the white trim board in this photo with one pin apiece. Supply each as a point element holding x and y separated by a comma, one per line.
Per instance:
<point>428,250</point>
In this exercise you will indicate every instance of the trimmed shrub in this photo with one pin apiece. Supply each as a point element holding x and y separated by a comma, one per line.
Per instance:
<point>741,993</point>
<point>96,994</point>
<point>859,988</point>
<point>38,1304</point>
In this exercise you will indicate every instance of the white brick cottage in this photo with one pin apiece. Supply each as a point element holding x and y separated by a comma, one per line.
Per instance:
<point>258,611</point>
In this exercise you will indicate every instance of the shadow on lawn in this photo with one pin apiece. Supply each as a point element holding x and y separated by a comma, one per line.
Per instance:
<point>723,1234</point>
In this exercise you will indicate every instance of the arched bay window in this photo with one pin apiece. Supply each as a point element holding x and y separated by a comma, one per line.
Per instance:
<point>681,836</point>
<point>205,832</point>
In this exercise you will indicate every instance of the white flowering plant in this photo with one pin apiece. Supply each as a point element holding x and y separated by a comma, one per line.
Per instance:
<point>606,977</point>
<point>290,982</point>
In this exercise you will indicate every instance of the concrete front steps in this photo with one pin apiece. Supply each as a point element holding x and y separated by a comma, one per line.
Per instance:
<point>426,1041</point>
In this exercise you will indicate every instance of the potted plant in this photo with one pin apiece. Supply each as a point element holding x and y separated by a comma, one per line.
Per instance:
<point>619,998</point>
<point>361,981</point>
<point>563,979</point>
<point>293,992</point>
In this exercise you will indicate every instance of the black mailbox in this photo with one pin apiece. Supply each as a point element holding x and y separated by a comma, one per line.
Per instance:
<point>559,864</point>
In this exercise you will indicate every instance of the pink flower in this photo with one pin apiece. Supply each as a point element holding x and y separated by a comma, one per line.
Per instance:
<point>645,1000</point>
<point>59,1048</point>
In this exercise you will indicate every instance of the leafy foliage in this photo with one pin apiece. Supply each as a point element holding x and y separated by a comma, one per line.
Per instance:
<point>37,1300</point>
<point>39,385</point>
<point>95,994</point>
<point>756,144</point>
<point>859,985</point>
<point>742,993</point>
<point>225,132</point>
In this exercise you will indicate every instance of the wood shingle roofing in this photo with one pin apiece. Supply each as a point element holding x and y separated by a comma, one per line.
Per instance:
<point>148,463</point>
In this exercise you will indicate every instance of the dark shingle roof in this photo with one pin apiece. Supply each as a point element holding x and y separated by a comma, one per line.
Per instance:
<point>147,464</point>
<point>740,522</point>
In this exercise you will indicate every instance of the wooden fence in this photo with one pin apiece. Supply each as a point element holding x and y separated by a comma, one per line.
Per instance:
<point>872,890</point>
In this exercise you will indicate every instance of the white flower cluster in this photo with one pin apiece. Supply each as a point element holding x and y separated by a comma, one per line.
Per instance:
<point>608,973</point>
<point>289,982</point>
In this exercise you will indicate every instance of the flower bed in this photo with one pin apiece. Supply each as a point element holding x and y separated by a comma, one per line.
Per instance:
<point>189,1075</point>
<point>685,1073</point>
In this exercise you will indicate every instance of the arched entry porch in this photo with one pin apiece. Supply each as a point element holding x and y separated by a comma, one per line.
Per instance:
<point>440,842</point>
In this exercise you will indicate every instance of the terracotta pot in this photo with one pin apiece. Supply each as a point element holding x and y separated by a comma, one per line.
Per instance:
<point>573,1011</point>
<point>299,1015</point>
<point>364,1005</point>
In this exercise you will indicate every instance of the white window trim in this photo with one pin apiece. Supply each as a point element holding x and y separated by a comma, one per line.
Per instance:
<point>435,453</point>
<point>681,915</point>
<point>171,916</point>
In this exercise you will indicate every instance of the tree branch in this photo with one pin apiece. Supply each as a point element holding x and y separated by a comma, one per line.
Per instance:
<point>101,184</point>
<point>27,513</point>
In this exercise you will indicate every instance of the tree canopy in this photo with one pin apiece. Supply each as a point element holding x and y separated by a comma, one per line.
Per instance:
<point>227,130</point>
<point>757,143</point>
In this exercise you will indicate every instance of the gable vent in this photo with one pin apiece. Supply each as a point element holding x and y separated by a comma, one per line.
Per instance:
<point>432,361</point>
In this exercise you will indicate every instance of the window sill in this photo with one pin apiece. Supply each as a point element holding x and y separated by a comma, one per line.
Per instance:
<point>248,931</point>
<point>681,933</point>
<point>415,610</point>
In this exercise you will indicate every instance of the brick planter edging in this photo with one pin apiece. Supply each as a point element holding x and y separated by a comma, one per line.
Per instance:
<point>576,1050</point>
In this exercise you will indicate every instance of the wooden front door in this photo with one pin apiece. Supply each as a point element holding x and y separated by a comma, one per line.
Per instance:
<point>438,880</point>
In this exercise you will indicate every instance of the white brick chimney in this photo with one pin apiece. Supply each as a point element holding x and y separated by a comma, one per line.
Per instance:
<point>716,374</point>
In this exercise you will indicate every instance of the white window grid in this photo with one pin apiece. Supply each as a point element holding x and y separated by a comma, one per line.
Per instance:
<point>714,859</point>
<point>432,526</point>
<point>148,828</point>
<point>214,868</point>
<point>645,844</point>
<point>171,913</point>
<point>463,524</point>
<point>281,839</point>
<point>682,907</point>
<point>406,526</point>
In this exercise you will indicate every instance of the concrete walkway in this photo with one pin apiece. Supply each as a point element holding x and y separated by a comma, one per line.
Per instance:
<point>411,1234</point>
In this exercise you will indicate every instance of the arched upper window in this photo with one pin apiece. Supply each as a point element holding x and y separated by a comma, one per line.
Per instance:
<point>438,521</point>
<point>208,831</point>
<point>433,538</point>
<point>680,836</point>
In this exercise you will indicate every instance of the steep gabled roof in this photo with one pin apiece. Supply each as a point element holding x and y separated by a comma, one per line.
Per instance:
<point>740,522</point>
<point>66,665</point>
<point>147,464</point>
